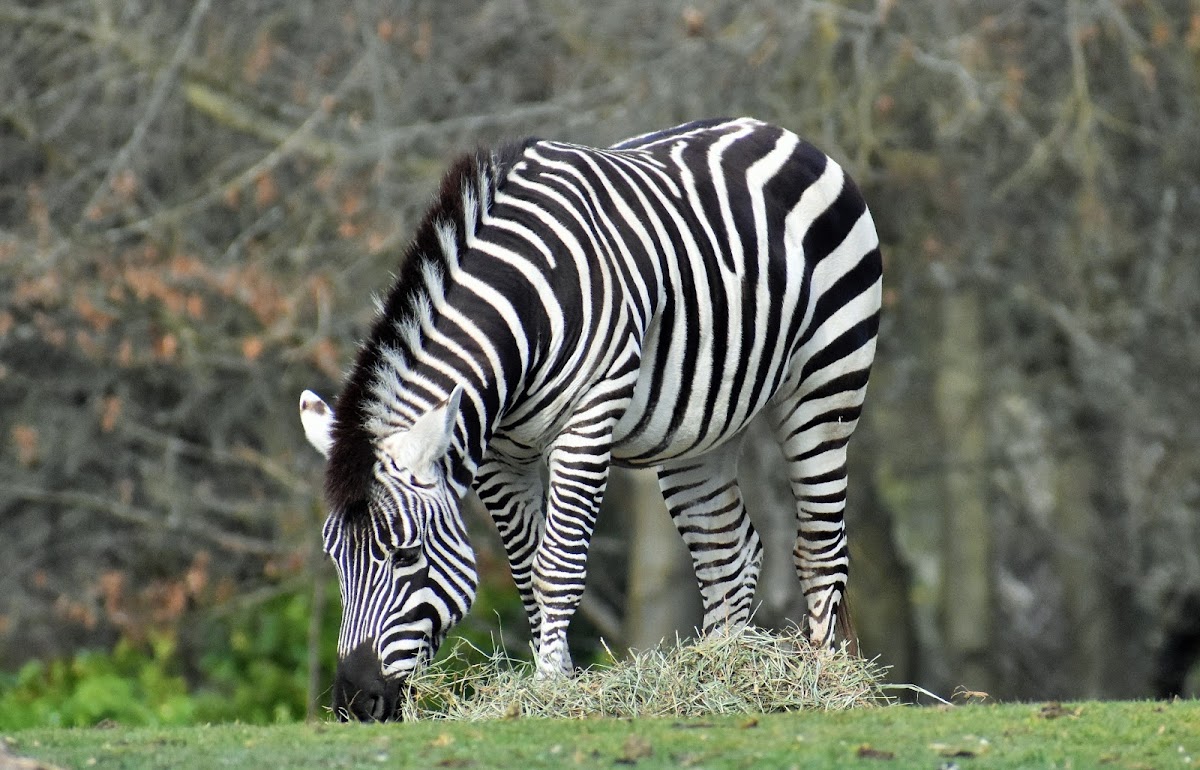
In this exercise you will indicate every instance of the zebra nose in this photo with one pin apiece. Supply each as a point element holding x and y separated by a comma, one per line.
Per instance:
<point>360,691</point>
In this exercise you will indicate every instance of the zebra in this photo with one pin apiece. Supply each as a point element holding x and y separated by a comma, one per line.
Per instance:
<point>562,309</point>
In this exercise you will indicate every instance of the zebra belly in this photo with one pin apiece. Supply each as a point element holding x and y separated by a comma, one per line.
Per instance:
<point>690,439</point>
<point>676,414</point>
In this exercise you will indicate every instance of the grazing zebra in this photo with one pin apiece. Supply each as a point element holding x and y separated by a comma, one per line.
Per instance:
<point>565,308</point>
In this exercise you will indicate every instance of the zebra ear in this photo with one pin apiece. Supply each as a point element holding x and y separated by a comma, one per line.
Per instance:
<point>317,419</point>
<point>422,446</point>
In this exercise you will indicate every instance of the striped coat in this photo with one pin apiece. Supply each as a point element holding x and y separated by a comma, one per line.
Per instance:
<point>563,309</point>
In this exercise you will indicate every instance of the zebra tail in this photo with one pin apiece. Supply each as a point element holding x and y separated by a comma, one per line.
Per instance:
<point>845,626</point>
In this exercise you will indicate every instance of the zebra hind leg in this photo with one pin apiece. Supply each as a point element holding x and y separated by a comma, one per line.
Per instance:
<point>706,505</point>
<point>813,430</point>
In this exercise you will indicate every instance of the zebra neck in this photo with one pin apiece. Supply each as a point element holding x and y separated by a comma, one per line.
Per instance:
<point>404,393</point>
<point>422,345</point>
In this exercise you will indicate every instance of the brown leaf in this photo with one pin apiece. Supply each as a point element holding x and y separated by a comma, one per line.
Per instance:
<point>112,588</point>
<point>125,185</point>
<point>252,347</point>
<point>259,59</point>
<point>125,352</point>
<point>25,438</point>
<point>266,191</point>
<point>195,306</point>
<point>110,412</point>
<point>166,346</point>
<point>90,314</point>
<point>867,751</point>
<point>693,21</point>
<point>1192,40</point>
<point>1161,34</point>
<point>1054,710</point>
<point>197,574</point>
<point>351,204</point>
<point>423,45</point>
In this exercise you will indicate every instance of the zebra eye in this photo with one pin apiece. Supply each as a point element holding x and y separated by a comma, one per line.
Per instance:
<point>404,558</point>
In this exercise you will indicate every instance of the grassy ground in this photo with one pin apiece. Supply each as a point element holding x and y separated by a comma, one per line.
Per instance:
<point>1081,735</point>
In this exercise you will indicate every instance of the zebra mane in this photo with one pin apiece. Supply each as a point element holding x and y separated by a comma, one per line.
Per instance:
<point>467,191</point>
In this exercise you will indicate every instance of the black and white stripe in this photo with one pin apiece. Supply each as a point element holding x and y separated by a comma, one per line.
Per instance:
<point>564,308</point>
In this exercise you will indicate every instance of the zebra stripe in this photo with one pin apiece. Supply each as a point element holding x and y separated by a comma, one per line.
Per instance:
<point>563,308</point>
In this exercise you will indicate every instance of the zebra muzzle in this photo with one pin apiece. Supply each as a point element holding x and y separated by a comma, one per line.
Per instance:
<point>361,692</point>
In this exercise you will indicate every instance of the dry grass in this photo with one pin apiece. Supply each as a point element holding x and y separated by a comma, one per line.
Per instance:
<point>750,670</point>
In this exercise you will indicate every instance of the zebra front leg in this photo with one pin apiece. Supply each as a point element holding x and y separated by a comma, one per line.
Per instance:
<point>514,495</point>
<point>706,505</point>
<point>578,475</point>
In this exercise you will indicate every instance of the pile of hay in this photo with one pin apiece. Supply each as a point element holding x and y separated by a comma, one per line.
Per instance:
<point>745,671</point>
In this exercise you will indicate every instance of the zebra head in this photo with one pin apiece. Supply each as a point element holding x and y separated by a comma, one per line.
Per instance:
<point>405,567</point>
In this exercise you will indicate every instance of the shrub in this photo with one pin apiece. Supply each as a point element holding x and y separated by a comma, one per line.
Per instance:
<point>250,665</point>
<point>256,666</point>
<point>131,684</point>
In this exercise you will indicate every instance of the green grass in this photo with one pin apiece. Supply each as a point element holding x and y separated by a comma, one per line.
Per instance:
<point>1079,735</point>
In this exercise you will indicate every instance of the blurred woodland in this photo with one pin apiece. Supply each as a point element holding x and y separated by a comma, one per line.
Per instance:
<point>199,201</point>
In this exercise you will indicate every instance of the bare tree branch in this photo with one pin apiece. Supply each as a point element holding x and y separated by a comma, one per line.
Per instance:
<point>131,514</point>
<point>163,82</point>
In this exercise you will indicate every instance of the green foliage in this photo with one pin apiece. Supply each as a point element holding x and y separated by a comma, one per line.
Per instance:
<point>252,666</point>
<point>249,665</point>
<point>256,664</point>
<point>132,684</point>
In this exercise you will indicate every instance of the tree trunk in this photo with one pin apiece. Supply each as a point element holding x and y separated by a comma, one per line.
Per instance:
<point>880,579</point>
<point>1079,566</point>
<point>965,589</point>
<point>661,598</point>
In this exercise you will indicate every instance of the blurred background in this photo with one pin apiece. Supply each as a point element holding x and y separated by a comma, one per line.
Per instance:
<point>198,202</point>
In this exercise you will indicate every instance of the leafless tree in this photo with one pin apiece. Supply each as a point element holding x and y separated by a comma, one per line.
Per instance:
<point>197,202</point>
